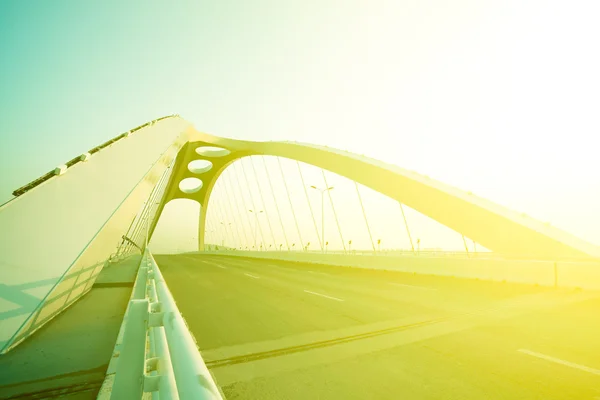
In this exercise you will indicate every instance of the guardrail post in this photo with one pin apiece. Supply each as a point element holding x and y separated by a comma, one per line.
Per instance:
<point>139,291</point>
<point>129,377</point>
<point>167,387</point>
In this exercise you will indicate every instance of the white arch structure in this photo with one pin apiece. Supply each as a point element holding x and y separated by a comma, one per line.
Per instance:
<point>62,228</point>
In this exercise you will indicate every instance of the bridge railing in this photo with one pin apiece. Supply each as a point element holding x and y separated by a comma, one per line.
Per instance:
<point>155,351</point>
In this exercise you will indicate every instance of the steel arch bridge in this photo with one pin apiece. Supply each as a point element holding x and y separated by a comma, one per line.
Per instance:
<point>60,230</point>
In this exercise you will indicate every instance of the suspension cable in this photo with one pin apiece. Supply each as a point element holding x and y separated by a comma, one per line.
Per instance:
<point>276,205</point>
<point>146,211</point>
<point>254,209</point>
<point>242,227</point>
<point>290,200</point>
<point>262,199</point>
<point>223,222</point>
<point>229,214</point>
<point>208,222</point>
<point>239,186</point>
<point>407,230</point>
<point>321,240</point>
<point>466,247</point>
<point>365,216</point>
<point>337,222</point>
<point>233,215</point>
<point>215,228</point>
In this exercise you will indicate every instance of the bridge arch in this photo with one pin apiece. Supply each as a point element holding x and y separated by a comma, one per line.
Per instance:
<point>497,228</point>
<point>106,202</point>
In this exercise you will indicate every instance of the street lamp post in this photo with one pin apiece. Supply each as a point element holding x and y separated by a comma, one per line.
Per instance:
<point>322,214</point>
<point>255,223</point>
<point>225,230</point>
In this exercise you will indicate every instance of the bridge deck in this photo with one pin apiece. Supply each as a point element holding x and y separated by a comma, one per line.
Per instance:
<point>68,357</point>
<point>272,329</point>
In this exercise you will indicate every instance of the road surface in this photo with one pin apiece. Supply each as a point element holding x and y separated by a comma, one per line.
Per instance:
<point>282,330</point>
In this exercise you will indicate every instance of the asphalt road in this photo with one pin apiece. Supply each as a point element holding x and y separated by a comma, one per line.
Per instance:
<point>281,330</point>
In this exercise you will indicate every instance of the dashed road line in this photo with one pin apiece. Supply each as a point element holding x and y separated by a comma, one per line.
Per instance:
<point>323,295</point>
<point>252,276</point>
<point>559,361</point>
<point>318,273</point>
<point>412,286</point>
<point>213,264</point>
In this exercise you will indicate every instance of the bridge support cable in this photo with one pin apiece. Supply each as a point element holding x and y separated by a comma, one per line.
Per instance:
<point>217,218</point>
<point>239,186</point>
<point>287,191</point>
<point>321,240</point>
<point>213,231</point>
<point>157,197</point>
<point>207,229</point>
<point>229,187</point>
<point>232,214</point>
<point>125,245</point>
<point>412,246</point>
<point>337,222</point>
<point>237,207</point>
<point>287,244</point>
<point>149,209</point>
<point>255,211</point>
<point>365,216</point>
<point>233,228</point>
<point>466,247</point>
<point>225,221</point>
<point>262,199</point>
<point>121,250</point>
<point>219,222</point>
<point>138,225</point>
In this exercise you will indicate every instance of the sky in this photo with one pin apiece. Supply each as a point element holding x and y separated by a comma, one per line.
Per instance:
<point>497,98</point>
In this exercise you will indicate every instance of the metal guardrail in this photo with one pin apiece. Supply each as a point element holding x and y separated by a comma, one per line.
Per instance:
<point>155,352</point>
<point>487,255</point>
<point>384,252</point>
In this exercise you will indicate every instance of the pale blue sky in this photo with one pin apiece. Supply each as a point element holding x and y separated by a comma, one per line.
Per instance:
<point>499,98</point>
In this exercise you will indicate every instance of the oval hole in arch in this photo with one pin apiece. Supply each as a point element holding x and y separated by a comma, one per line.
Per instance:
<point>200,166</point>
<point>210,151</point>
<point>190,185</point>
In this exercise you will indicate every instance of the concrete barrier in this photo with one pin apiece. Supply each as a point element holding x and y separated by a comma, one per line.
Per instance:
<point>585,275</point>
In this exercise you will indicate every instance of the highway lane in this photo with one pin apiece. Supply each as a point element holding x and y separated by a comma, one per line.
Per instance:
<point>273,329</point>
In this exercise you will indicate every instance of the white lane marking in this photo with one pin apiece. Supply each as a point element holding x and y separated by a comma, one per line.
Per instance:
<point>252,276</point>
<point>318,273</point>
<point>295,270</point>
<point>559,361</point>
<point>412,286</point>
<point>323,295</point>
<point>213,264</point>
